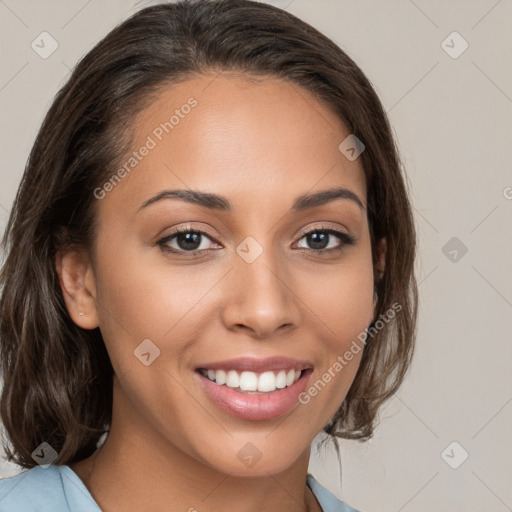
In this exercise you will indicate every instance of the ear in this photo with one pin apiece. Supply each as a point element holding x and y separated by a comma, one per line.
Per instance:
<point>380,265</point>
<point>78,286</point>
<point>381,256</point>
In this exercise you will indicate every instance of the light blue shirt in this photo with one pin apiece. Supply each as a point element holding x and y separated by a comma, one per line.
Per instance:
<point>59,489</point>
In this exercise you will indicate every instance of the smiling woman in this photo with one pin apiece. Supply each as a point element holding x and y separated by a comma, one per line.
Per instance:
<point>245,286</point>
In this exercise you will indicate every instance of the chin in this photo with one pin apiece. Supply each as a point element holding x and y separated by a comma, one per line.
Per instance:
<point>256,458</point>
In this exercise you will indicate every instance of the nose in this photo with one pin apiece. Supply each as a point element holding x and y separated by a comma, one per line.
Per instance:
<point>260,297</point>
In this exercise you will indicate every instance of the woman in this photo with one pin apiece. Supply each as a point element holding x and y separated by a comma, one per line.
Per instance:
<point>209,262</point>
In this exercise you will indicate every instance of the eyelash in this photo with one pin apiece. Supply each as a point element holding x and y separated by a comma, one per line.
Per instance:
<point>346,240</point>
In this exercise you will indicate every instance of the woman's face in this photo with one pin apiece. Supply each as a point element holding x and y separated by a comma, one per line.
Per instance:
<point>251,286</point>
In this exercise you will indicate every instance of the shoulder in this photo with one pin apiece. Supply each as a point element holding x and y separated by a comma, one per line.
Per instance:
<point>327,500</point>
<point>54,488</point>
<point>58,489</point>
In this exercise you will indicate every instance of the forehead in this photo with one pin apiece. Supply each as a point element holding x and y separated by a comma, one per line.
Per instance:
<point>258,140</point>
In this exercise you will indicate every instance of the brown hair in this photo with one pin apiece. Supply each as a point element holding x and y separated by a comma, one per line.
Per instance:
<point>57,377</point>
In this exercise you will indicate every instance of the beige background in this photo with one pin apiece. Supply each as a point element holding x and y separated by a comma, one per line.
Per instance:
<point>453,121</point>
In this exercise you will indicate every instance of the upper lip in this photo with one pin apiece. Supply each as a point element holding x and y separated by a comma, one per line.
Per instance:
<point>258,365</point>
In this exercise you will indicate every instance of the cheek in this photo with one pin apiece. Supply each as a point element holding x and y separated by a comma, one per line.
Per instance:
<point>141,297</point>
<point>351,313</point>
<point>343,305</point>
<point>342,300</point>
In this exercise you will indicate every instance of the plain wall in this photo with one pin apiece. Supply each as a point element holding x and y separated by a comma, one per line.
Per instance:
<point>453,122</point>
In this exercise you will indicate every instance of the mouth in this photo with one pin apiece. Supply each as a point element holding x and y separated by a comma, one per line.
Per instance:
<point>255,389</point>
<point>252,382</point>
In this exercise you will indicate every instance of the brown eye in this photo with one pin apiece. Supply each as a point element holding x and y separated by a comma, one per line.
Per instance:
<point>185,240</point>
<point>324,239</point>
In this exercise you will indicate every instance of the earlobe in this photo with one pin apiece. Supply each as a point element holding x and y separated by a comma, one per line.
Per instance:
<point>379,268</point>
<point>381,257</point>
<point>77,283</point>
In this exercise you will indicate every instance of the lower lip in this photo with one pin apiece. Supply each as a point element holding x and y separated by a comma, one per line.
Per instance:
<point>255,407</point>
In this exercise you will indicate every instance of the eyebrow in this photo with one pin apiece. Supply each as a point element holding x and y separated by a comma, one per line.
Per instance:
<point>220,203</point>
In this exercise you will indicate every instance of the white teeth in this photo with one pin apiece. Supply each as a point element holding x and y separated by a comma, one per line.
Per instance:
<point>267,382</point>
<point>232,379</point>
<point>281,379</point>
<point>249,381</point>
<point>219,377</point>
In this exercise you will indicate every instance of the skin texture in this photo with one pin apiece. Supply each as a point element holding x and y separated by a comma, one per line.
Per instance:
<point>261,145</point>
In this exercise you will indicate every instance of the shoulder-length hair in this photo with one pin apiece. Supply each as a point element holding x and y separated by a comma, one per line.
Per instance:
<point>57,377</point>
